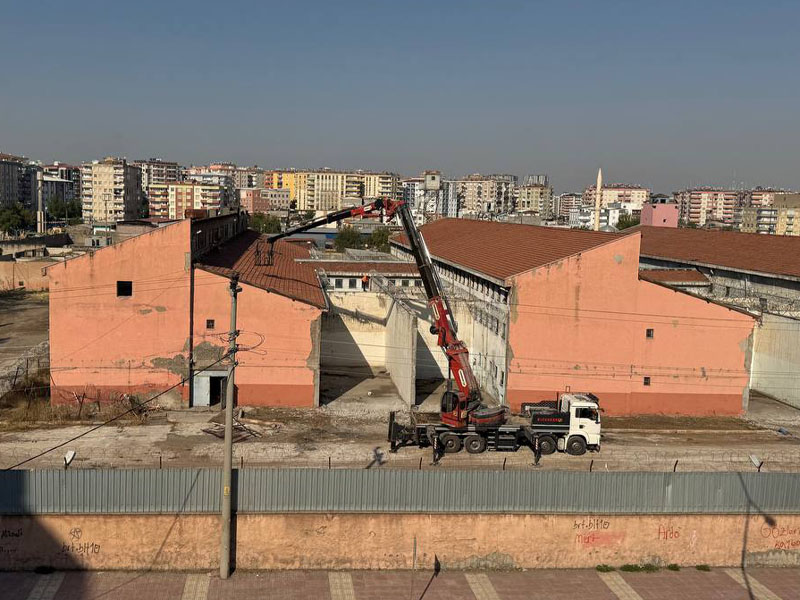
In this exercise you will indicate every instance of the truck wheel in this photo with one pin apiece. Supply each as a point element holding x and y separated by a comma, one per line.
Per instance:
<point>547,444</point>
<point>450,442</point>
<point>475,444</point>
<point>576,446</point>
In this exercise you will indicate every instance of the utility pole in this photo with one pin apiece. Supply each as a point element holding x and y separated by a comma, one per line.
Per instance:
<point>227,468</point>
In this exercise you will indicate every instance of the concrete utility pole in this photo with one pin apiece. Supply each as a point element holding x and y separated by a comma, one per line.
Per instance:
<point>227,468</point>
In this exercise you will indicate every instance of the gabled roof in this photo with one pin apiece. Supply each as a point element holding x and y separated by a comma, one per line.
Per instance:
<point>775,255</point>
<point>286,276</point>
<point>502,250</point>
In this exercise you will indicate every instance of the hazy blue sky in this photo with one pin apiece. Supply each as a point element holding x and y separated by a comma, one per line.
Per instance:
<point>666,94</point>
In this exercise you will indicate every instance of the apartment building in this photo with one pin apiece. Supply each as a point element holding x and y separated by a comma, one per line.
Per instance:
<point>761,196</point>
<point>567,202</point>
<point>172,200</point>
<point>64,171</point>
<point>703,205</point>
<point>156,170</point>
<point>487,194</point>
<point>538,199</point>
<point>10,168</point>
<point>260,200</point>
<point>111,190</point>
<point>782,217</point>
<point>623,193</point>
<point>328,190</point>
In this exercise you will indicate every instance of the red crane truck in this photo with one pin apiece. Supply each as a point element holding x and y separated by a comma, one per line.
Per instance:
<point>570,424</point>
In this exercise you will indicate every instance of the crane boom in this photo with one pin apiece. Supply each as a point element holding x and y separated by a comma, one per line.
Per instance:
<point>458,408</point>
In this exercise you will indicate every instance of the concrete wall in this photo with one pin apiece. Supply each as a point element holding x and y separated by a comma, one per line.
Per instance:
<point>385,541</point>
<point>580,325</point>
<point>776,358</point>
<point>401,351</point>
<point>354,331</point>
<point>28,273</point>
<point>104,345</point>
<point>279,337</point>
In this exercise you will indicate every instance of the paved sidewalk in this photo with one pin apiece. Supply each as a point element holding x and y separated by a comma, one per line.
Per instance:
<point>546,584</point>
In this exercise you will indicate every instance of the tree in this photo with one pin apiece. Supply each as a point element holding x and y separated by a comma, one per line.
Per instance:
<point>308,215</point>
<point>15,219</point>
<point>265,223</point>
<point>626,221</point>
<point>348,237</point>
<point>58,209</point>
<point>379,240</point>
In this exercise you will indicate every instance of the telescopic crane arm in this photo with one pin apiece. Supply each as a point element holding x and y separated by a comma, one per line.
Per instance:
<point>459,408</point>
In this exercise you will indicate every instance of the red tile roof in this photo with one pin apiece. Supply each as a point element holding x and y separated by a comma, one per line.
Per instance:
<point>769,254</point>
<point>362,267</point>
<point>286,276</point>
<point>502,250</point>
<point>673,275</point>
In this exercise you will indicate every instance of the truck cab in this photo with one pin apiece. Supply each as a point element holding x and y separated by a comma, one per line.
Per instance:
<point>570,424</point>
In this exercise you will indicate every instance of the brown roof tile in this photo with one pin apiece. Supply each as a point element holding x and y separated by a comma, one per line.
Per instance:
<point>502,250</point>
<point>673,275</point>
<point>771,254</point>
<point>286,276</point>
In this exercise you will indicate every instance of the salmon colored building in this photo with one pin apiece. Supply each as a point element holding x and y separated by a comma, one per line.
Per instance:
<point>146,314</point>
<point>555,310</point>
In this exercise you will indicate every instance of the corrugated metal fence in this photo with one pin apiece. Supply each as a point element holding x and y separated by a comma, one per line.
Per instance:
<point>342,490</point>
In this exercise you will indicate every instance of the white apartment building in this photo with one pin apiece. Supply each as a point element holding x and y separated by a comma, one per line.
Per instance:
<point>156,170</point>
<point>172,200</point>
<point>566,202</point>
<point>111,190</point>
<point>584,216</point>
<point>634,195</point>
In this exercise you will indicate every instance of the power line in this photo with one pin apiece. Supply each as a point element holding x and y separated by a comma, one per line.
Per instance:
<point>112,419</point>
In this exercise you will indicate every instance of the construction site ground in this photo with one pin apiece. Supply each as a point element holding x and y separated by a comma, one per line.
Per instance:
<point>350,432</point>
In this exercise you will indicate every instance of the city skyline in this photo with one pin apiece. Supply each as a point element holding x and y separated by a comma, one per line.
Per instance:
<point>658,98</point>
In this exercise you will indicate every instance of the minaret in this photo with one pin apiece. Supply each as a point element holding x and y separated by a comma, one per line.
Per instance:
<point>598,196</point>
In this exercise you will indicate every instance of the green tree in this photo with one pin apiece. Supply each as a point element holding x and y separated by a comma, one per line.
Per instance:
<point>379,240</point>
<point>626,221</point>
<point>307,216</point>
<point>264,223</point>
<point>348,237</point>
<point>58,208</point>
<point>15,219</point>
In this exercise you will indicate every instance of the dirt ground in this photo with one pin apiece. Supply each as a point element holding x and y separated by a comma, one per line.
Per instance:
<point>351,431</point>
<point>24,321</point>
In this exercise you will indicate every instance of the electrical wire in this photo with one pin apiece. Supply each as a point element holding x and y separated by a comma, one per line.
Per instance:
<point>112,419</point>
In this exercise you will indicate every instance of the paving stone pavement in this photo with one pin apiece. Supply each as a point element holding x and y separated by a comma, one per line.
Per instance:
<point>545,584</point>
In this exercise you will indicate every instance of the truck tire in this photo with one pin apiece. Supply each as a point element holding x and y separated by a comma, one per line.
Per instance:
<point>475,444</point>
<point>547,444</point>
<point>450,442</point>
<point>576,445</point>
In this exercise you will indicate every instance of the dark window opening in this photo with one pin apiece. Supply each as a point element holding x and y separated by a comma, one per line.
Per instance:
<point>209,323</point>
<point>647,381</point>
<point>124,288</point>
<point>649,334</point>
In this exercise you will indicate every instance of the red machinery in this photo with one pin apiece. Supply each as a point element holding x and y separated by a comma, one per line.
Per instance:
<point>461,408</point>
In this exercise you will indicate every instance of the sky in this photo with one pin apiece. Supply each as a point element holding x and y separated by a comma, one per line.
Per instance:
<point>663,94</point>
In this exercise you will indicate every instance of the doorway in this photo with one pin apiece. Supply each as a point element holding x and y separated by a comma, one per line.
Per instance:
<point>209,388</point>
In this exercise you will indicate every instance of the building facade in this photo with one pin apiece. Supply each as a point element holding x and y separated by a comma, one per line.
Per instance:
<point>172,200</point>
<point>111,191</point>
<point>622,193</point>
<point>545,311</point>
<point>780,217</point>
<point>538,199</point>
<point>701,206</point>
<point>71,173</point>
<point>662,212</point>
